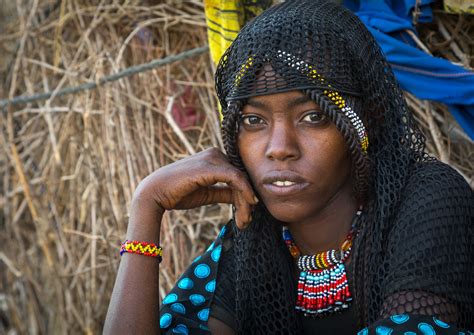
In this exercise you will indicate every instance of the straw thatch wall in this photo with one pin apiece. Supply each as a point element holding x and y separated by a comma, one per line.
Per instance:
<point>69,165</point>
<point>82,156</point>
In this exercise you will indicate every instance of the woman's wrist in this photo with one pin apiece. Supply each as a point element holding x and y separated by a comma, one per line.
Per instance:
<point>145,219</point>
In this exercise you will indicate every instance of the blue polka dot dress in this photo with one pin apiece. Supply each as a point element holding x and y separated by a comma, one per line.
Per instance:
<point>186,309</point>
<point>407,324</point>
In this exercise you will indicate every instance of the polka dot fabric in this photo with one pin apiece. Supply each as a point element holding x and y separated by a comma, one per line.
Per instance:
<point>186,309</point>
<point>405,324</point>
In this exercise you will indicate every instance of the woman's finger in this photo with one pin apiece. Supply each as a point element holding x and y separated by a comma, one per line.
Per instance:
<point>221,170</point>
<point>243,211</point>
<point>192,181</point>
<point>224,194</point>
<point>237,213</point>
<point>246,209</point>
<point>237,180</point>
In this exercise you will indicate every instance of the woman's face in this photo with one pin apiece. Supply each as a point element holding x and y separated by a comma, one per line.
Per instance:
<point>296,158</point>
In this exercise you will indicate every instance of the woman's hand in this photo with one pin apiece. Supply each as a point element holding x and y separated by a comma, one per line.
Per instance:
<point>187,183</point>
<point>190,183</point>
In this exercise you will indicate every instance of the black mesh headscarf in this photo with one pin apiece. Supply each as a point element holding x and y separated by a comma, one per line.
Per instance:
<point>320,47</point>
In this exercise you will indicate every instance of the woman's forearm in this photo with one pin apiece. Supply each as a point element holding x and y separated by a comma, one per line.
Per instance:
<point>184,184</point>
<point>134,306</point>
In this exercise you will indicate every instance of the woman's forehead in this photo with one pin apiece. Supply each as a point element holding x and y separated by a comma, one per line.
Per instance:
<point>288,99</point>
<point>284,102</point>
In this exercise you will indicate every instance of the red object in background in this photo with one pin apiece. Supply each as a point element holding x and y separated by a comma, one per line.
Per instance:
<point>184,111</point>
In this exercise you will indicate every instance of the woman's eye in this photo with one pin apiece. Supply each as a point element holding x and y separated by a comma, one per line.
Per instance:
<point>251,120</point>
<point>315,117</point>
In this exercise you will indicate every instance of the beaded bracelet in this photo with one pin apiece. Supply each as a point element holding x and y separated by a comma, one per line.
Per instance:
<point>141,248</point>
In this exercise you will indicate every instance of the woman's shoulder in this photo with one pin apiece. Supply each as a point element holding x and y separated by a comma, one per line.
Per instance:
<point>436,210</point>
<point>438,188</point>
<point>434,175</point>
<point>429,249</point>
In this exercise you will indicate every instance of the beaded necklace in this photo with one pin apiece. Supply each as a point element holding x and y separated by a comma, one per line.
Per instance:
<point>322,283</point>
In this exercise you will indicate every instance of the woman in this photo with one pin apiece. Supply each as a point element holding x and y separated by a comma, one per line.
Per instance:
<point>341,220</point>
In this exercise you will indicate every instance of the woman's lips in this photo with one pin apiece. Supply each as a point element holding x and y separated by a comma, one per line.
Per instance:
<point>283,182</point>
<point>285,190</point>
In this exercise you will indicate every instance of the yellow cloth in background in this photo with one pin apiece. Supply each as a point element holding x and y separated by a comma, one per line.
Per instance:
<point>224,20</point>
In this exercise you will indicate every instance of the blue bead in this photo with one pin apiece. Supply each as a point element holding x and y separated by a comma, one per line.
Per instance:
<point>203,327</point>
<point>170,298</point>
<point>165,320</point>
<point>440,323</point>
<point>178,308</point>
<point>426,329</point>
<point>381,330</point>
<point>216,253</point>
<point>364,331</point>
<point>409,333</point>
<point>203,315</point>
<point>211,286</point>
<point>202,271</point>
<point>197,299</point>
<point>180,329</point>
<point>399,319</point>
<point>185,284</point>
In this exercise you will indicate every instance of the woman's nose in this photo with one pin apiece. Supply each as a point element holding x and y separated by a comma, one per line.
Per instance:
<point>282,143</point>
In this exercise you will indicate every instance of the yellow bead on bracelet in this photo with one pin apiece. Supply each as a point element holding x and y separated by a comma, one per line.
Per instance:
<point>141,248</point>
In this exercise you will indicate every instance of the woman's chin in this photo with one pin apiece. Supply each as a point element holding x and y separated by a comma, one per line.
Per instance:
<point>285,214</point>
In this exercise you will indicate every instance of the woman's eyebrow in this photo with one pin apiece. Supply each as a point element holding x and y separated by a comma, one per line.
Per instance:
<point>258,104</point>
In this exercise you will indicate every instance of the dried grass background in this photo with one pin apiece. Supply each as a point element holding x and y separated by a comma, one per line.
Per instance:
<point>69,165</point>
<point>83,155</point>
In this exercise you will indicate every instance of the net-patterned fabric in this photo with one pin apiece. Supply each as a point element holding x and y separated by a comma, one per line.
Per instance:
<point>429,255</point>
<point>426,273</point>
<point>325,51</point>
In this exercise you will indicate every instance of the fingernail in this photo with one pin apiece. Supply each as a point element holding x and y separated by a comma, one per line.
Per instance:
<point>255,198</point>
